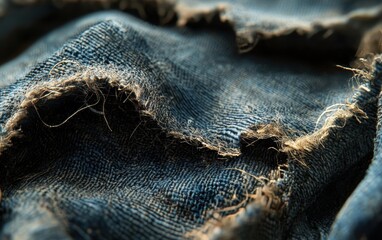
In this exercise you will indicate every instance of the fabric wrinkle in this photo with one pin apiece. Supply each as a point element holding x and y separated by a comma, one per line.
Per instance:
<point>178,119</point>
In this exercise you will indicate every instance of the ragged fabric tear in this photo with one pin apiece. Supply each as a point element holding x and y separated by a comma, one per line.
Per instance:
<point>90,81</point>
<point>273,198</point>
<point>283,191</point>
<point>252,24</point>
<point>269,198</point>
<point>256,21</point>
<point>82,85</point>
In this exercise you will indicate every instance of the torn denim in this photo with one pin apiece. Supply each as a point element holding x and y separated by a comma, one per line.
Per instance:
<point>115,128</point>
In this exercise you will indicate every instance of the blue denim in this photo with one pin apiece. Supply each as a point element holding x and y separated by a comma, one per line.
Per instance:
<point>115,128</point>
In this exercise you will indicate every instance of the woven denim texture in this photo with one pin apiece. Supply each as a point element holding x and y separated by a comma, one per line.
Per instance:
<point>115,128</point>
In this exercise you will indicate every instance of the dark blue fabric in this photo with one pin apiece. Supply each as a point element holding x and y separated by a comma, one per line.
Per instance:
<point>114,128</point>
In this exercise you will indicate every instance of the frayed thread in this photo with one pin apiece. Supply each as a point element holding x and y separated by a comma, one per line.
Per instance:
<point>267,197</point>
<point>90,81</point>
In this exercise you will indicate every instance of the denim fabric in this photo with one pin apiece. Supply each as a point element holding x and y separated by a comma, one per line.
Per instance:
<point>114,128</point>
<point>361,215</point>
<point>319,27</point>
